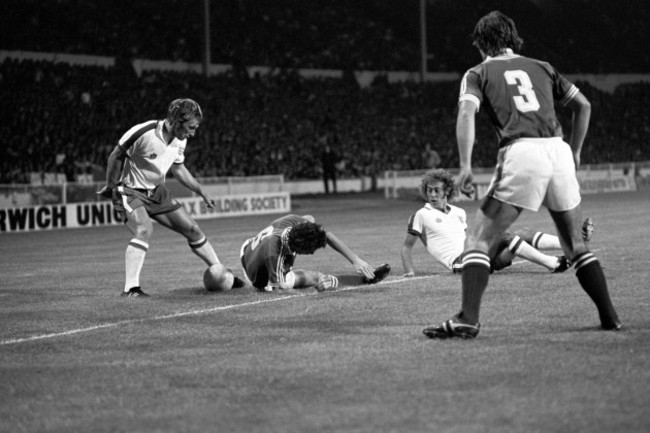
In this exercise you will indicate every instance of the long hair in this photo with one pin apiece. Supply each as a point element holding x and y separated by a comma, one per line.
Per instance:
<point>306,238</point>
<point>438,175</point>
<point>495,32</point>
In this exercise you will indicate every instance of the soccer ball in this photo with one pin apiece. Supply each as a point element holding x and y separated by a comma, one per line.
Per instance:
<point>218,278</point>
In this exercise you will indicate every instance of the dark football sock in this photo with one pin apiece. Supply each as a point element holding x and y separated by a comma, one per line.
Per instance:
<point>475,276</point>
<point>592,279</point>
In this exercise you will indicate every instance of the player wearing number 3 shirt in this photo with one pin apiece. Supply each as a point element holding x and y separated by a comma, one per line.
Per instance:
<point>268,258</point>
<point>535,166</point>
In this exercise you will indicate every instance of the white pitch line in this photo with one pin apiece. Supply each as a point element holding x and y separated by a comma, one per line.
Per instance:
<point>187,313</point>
<point>207,310</point>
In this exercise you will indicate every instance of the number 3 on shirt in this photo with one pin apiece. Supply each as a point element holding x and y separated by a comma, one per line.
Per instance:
<point>526,100</point>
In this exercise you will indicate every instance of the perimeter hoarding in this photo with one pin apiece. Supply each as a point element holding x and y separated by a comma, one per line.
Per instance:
<point>95,214</point>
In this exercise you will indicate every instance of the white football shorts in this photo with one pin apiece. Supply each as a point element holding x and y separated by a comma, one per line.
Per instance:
<point>532,172</point>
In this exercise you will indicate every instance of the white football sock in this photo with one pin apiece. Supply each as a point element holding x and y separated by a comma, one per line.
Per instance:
<point>526,251</point>
<point>134,259</point>
<point>203,248</point>
<point>545,241</point>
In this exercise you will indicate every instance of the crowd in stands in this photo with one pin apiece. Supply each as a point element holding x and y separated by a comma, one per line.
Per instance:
<point>66,119</point>
<point>576,36</point>
<point>58,117</point>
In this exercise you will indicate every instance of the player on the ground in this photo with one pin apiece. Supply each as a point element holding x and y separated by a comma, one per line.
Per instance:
<point>268,258</point>
<point>535,166</point>
<point>135,181</point>
<point>442,229</point>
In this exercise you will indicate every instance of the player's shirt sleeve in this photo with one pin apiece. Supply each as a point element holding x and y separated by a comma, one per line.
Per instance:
<point>274,268</point>
<point>131,137</point>
<point>414,226</point>
<point>279,260</point>
<point>563,89</point>
<point>180,159</point>
<point>470,88</point>
<point>278,267</point>
<point>463,217</point>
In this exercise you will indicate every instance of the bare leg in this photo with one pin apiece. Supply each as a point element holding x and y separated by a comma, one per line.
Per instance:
<point>181,222</point>
<point>303,279</point>
<point>492,219</point>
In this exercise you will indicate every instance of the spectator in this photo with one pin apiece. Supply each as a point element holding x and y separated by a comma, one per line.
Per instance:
<point>279,116</point>
<point>329,161</point>
<point>430,158</point>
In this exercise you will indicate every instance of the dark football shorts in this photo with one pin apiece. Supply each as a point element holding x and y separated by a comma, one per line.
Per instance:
<point>156,201</point>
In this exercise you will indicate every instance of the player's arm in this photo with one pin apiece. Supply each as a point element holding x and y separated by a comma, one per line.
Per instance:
<point>113,171</point>
<point>188,181</point>
<point>361,266</point>
<point>579,124</point>
<point>407,260</point>
<point>465,136</point>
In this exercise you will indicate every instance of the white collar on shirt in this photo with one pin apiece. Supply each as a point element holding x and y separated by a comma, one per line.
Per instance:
<point>430,207</point>
<point>506,53</point>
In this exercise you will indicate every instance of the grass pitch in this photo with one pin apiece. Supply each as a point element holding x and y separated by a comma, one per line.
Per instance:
<point>75,356</point>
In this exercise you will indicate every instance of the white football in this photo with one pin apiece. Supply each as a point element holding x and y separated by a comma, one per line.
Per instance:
<point>218,278</point>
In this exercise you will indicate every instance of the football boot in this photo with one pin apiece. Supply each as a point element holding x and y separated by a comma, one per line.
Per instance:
<point>134,292</point>
<point>587,229</point>
<point>380,274</point>
<point>563,263</point>
<point>452,328</point>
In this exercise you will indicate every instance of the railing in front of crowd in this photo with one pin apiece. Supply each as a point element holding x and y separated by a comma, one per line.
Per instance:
<point>56,190</point>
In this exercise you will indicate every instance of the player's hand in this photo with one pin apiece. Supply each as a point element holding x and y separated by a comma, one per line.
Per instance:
<point>209,202</point>
<point>120,215</point>
<point>106,192</point>
<point>364,269</point>
<point>110,193</point>
<point>465,181</point>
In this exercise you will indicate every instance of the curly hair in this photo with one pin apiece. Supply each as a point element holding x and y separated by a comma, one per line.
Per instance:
<point>183,110</point>
<point>495,32</point>
<point>438,175</point>
<point>306,238</point>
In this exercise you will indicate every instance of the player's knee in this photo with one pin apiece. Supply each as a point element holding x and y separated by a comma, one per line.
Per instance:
<point>143,231</point>
<point>575,250</point>
<point>501,243</point>
<point>193,232</point>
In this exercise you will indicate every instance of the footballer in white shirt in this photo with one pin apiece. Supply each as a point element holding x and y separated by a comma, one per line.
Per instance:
<point>135,181</point>
<point>442,227</point>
